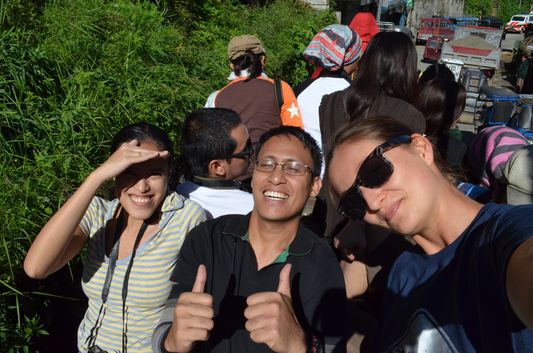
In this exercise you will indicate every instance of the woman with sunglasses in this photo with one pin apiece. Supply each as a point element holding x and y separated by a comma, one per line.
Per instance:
<point>133,241</point>
<point>471,288</point>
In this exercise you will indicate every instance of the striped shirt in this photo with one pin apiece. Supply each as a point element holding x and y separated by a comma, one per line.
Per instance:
<point>148,286</point>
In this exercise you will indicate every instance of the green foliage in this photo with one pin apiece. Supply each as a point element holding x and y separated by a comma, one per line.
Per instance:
<point>288,36</point>
<point>509,8</point>
<point>505,8</point>
<point>22,14</point>
<point>75,71</point>
<point>285,27</point>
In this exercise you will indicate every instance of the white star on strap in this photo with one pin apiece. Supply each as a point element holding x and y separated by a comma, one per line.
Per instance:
<point>293,110</point>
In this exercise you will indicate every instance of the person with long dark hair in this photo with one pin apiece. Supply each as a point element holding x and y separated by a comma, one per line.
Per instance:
<point>386,83</point>
<point>442,102</point>
<point>133,241</point>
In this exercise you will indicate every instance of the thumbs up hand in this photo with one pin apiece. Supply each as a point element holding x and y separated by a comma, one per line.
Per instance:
<point>271,319</point>
<point>193,317</point>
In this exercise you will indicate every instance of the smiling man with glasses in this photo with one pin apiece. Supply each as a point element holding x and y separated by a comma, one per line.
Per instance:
<point>217,150</point>
<point>260,282</point>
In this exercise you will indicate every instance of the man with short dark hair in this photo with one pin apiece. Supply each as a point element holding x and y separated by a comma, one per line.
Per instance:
<point>216,148</point>
<point>260,282</point>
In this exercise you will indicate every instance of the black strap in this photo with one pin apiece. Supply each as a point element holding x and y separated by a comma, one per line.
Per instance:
<point>126,281</point>
<point>221,184</point>
<point>109,276</point>
<point>278,93</point>
<point>112,260</point>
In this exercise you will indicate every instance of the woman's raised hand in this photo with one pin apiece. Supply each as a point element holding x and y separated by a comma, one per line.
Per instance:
<point>126,155</point>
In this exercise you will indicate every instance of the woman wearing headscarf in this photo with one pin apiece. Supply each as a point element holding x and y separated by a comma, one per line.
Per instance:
<point>334,52</point>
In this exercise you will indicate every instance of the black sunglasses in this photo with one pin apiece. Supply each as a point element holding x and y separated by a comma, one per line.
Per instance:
<point>375,171</point>
<point>244,154</point>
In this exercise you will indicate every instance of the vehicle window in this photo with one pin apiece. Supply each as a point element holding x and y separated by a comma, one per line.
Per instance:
<point>517,18</point>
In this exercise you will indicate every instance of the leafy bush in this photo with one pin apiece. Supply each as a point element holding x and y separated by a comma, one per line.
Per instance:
<point>505,8</point>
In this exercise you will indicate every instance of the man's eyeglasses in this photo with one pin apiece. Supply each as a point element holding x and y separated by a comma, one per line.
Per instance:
<point>268,165</point>
<point>375,171</point>
<point>244,154</point>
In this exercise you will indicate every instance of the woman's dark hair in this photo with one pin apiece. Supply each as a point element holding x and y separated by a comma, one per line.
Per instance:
<point>304,137</point>
<point>436,71</point>
<point>388,66</point>
<point>442,102</point>
<point>248,61</point>
<point>382,129</point>
<point>144,131</point>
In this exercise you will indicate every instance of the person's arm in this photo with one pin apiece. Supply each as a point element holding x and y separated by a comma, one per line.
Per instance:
<point>176,329</point>
<point>62,238</point>
<point>355,278</point>
<point>519,282</point>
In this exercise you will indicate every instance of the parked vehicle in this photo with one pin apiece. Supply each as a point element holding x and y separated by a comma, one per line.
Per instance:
<point>476,47</point>
<point>465,21</point>
<point>517,23</point>
<point>491,35</point>
<point>490,21</point>
<point>434,26</point>
<point>385,26</point>
<point>391,27</point>
<point>502,105</point>
<point>433,49</point>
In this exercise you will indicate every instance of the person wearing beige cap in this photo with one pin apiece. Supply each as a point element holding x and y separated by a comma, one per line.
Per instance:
<point>261,102</point>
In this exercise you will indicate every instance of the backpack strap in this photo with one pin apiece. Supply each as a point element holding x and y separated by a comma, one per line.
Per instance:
<point>278,93</point>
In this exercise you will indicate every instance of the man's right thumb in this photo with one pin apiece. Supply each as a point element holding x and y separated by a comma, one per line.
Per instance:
<point>199,282</point>
<point>284,286</point>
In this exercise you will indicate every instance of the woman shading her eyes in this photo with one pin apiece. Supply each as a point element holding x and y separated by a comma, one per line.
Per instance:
<point>471,289</point>
<point>133,241</point>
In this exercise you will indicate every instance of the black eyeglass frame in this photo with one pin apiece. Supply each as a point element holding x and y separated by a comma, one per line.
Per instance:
<point>283,167</point>
<point>244,154</point>
<point>352,203</point>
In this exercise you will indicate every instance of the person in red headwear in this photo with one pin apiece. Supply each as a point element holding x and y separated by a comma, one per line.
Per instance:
<point>365,25</point>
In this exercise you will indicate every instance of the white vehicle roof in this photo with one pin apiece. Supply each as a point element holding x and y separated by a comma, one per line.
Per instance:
<point>521,18</point>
